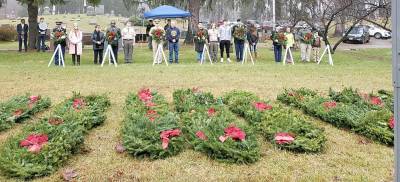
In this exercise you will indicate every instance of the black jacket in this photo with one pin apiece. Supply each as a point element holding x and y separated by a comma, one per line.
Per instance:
<point>22,29</point>
<point>148,27</point>
<point>101,39</point>
<point>251,38</point>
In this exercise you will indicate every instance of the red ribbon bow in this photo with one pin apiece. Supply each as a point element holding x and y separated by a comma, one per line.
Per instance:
<point>166,135</point>
<point>233,132</point>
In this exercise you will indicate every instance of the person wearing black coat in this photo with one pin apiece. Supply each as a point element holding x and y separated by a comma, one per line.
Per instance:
<point>252,38</point>
<point>149,38</point>
<point>22,30</point>
<point>98,45</point>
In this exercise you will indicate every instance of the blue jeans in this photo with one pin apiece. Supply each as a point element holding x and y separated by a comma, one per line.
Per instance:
<point>199,54</point>
<point>41,43</point>
<point>278,53</point>
<point>56,61</point>
<point>173,49</point>
<point>239,47</point>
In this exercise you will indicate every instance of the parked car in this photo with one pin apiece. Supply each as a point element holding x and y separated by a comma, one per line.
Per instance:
<point>379,33</point>
<point>358,34</point>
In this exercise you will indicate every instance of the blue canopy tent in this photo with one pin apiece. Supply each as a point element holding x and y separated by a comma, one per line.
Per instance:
<point>165,11</point>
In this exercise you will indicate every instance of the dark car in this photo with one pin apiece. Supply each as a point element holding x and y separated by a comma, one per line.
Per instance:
<point>358,34</point>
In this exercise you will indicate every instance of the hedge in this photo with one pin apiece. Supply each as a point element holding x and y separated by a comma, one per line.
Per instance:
<point>19,108</point>
<point>278,125</point>
<point>214,130</point>
<point>42,148</point>
<point>150,129</point>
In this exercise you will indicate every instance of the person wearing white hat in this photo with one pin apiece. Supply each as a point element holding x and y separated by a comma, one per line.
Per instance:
<point>75,44</point>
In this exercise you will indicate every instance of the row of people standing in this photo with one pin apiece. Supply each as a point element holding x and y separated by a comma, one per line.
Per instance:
<point>222,37</point>
<point>309,41</point>
<point>112,37</point>
<point>99,39</point>
<point>73,40</point>
<point>23,30</point>
<point>216,38</point>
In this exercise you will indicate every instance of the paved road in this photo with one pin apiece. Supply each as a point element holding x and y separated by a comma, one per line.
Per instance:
<point>373,44</point>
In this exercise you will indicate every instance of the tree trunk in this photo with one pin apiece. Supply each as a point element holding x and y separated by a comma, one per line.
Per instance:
<point>340,27</point>
<point>194,8</point>
<point>33,24</point>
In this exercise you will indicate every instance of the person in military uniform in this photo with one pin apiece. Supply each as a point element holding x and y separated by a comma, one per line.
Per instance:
<point>59,36</point>
<point>113,36</point>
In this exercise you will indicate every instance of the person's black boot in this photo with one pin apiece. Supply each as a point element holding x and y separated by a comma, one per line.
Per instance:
<point>73,59</point>
<point>79,60</point>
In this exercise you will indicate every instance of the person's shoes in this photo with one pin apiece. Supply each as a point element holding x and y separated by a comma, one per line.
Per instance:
<point>222,60</point>
<point>229,60</point>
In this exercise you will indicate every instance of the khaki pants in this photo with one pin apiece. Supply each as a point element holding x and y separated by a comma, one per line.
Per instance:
<point>214,51</point>
<point>128,50</point>
<point>155,48</point>
<point>305,50</point>
<point>316,53</point>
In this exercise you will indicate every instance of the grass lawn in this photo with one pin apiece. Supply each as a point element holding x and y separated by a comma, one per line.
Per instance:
<point>347,157</point>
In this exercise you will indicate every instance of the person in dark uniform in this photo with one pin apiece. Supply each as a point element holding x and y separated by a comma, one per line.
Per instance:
<point>59,36</point>
<point>22,30</point>
<point>149,38</point>
<point>112,36</point>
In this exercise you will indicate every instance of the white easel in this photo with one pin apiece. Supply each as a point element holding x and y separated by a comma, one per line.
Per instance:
<point>60,56</point>
<point>288,51</point>
<point>330,60</point>
<point>247,53</point>
<point>159,55</point>
<point>203,57</point>
<point>110,54</point>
